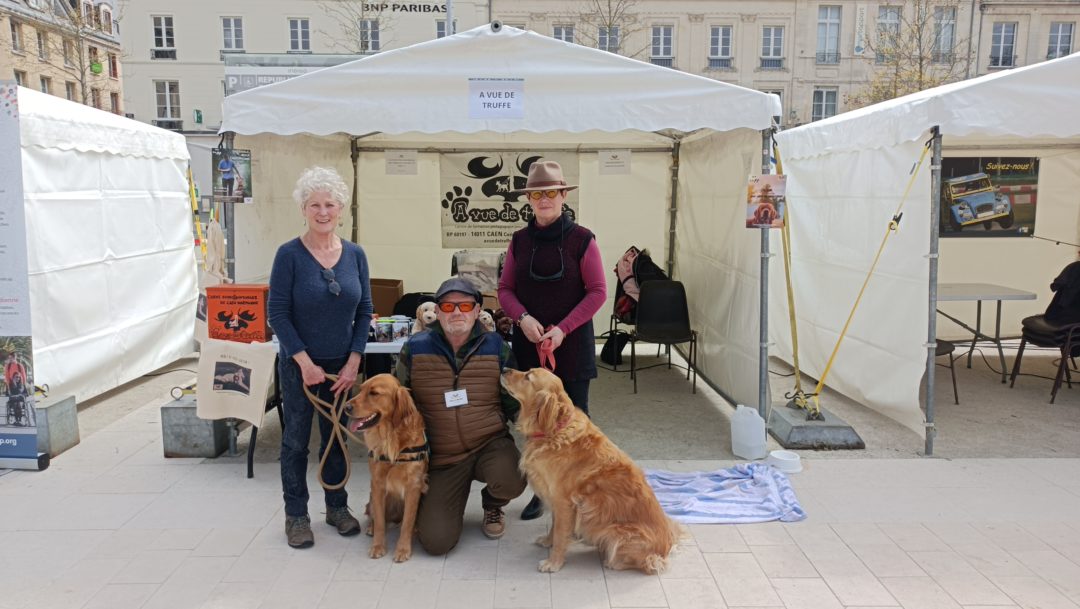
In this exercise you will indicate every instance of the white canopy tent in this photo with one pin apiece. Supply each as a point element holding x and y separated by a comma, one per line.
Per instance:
<point>576,100</point>
<point>111,265</point>
<point>846,176</point>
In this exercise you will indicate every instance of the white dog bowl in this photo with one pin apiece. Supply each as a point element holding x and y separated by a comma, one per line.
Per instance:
<point>785,460</point>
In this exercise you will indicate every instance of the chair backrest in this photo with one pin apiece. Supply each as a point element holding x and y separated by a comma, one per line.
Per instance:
<point>663,314</point>
<point>1064,307</point>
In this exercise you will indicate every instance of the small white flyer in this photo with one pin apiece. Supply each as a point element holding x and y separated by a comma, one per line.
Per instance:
<point>614,162</point>
<point>496,98</point>
<point>400,162</point>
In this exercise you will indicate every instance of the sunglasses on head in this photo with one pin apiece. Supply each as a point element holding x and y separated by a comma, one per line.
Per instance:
<point>536,195</point>
<point>333,285</point>
<point>464,307</point>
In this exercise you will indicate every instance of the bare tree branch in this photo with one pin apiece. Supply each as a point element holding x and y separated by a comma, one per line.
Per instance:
<point>596,20</point>
<point>351,37</point>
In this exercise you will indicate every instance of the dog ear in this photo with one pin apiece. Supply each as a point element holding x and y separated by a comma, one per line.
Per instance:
<point>404,408</point>
<point>550,412</point>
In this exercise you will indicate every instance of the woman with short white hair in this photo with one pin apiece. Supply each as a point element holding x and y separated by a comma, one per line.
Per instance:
<point>320,309</point>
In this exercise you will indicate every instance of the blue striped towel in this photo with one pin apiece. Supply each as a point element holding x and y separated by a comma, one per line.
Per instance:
<point>749,492</point>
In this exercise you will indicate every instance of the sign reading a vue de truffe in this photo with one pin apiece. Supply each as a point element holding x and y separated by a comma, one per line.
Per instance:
<point>496,98</point>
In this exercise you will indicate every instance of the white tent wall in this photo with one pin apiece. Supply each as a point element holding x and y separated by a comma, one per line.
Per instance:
<point>836,228</point>
<point>274,218</point>
<point>109,240</point>
<point>717,258</point>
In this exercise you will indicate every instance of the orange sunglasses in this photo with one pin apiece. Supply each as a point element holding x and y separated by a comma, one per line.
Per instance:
<point>464,307</point>
<point>536,195</point>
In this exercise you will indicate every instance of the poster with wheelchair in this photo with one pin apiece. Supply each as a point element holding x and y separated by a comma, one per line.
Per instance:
<point>17,385</point>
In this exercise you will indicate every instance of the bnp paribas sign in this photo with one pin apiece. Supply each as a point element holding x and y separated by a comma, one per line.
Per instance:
<point>404,8</point>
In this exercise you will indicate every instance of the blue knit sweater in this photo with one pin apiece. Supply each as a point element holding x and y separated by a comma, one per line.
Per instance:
<point>303,312</point>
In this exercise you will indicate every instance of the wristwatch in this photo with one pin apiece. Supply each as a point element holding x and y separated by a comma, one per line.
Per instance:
<point>522,317</point>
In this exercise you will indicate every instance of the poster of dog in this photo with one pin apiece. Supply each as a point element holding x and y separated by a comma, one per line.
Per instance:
<point>231,175</point>
<point>765,200</point>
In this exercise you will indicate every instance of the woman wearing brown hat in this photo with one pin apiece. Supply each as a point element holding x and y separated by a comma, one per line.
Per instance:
<point>553,284</point>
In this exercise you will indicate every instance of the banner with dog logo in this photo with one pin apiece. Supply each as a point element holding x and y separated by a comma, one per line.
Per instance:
<point>765,200</point>
<point>478,202</point>
<point>18,425</point>
<point>234,379</point>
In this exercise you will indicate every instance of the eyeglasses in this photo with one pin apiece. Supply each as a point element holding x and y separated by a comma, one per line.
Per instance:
<point>334,286</point>
<point>558,274</point>
<point>536,195</point>
<point>464,307</point>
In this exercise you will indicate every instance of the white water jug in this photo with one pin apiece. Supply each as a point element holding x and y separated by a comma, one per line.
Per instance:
<point>747,433</point>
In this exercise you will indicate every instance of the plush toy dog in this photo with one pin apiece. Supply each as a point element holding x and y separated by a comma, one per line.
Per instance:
<point>425,316</point>
<point>487,321</point>
<point>504,325</point>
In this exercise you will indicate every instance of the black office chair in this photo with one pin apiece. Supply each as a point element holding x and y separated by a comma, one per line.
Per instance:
<point>945,347</point>
<point>1041,332</point>
<point>663,317</point>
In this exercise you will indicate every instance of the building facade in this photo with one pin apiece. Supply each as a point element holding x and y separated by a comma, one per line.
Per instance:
<point>815,55</point>
<point>67,48</point>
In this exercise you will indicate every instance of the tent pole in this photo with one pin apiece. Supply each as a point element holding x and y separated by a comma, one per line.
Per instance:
<point>229,215</point>
<point>931,324</point>
<point>673,209</point>
<point>763,338</point>
<point>354,209</point>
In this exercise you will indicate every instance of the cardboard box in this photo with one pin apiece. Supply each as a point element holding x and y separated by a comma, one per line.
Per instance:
<point>491,301</point>
<point>384,295</point>
<point>238,312</point>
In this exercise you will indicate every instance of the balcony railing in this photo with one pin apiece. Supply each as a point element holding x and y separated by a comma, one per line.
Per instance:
<point>174,124</point>
<point>721,63</point>
<point>665,62</point>
<point>942,57</point>
<point>1002,61</point>
<point>162,53</point>
<point>1056,54</point>
<point>772,63</point>
<point>827,58</point>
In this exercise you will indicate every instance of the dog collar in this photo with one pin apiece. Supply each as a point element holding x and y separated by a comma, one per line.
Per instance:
<point>415,453</point>
<point>558,427</point>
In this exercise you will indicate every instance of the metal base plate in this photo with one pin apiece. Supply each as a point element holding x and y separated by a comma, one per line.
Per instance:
<point>791,429</point>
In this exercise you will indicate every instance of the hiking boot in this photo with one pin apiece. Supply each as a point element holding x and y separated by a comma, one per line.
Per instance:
<point>494,523</point>
<point>534,510</point>
<point>298,531</point>
<point>341,518</point>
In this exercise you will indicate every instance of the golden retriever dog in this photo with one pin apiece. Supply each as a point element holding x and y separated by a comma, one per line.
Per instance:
<point>593,488</point>
<point>397,458</point>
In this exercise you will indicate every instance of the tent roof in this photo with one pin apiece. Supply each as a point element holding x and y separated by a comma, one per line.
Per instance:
<point>1036,101</point>
<point>425,88</point>
<point>48,121</point>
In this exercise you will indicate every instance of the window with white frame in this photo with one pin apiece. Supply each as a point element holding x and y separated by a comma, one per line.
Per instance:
<point>824,104</point>
<point>369,35</point>
<point>88,13</point>
<point>661,52</point>
<point>114,66</point>
<point>69,91</point>
<point>299,35</point>
<point>780,94</point>
<point>440,28</point>
<point>828,35</point>
<point>114,103</point>
<point>1003,45</point>
<point>720,47</point>
<point>42,45</point>
<point>69,53</point>
<point>164,42</point>
<point>563,32</point>
<point>607,38</point>
<point>20,78</point>
<point>106,20</point>
<point>46,84</point>
<point>944,34</point>
<point>168,99</point>
<point>95,98</point>
<point>92,53</point>
<point>16,36</point>
<point>772,47</point>
<point>888,31</point>
<point>232,32</point>
<point>1061,37</point>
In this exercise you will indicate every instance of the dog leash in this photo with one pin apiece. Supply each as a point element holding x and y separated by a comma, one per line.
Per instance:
<point>546,352</point>
<point>333,413</point>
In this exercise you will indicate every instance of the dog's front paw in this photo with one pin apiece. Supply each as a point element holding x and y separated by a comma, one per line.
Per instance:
<point>550,566</point>
<point>402,554</point>
<point>370,529</point>
<point>377,550</point>
<point>544,541</point>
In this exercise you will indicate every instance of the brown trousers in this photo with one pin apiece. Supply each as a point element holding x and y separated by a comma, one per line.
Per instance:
<point>442,508</point>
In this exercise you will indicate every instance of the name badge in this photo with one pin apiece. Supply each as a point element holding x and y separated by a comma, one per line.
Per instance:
<point>455,399</point>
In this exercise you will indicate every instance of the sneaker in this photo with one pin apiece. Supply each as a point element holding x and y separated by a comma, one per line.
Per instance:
<point>534,510</point>
<point>340,517</point>
<point>494,523</point>
<point>298,531</point>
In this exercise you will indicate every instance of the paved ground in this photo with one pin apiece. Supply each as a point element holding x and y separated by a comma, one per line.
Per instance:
<point>114,524</point>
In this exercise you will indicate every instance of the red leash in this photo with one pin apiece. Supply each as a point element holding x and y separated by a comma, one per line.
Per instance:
<point>546,352</point>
